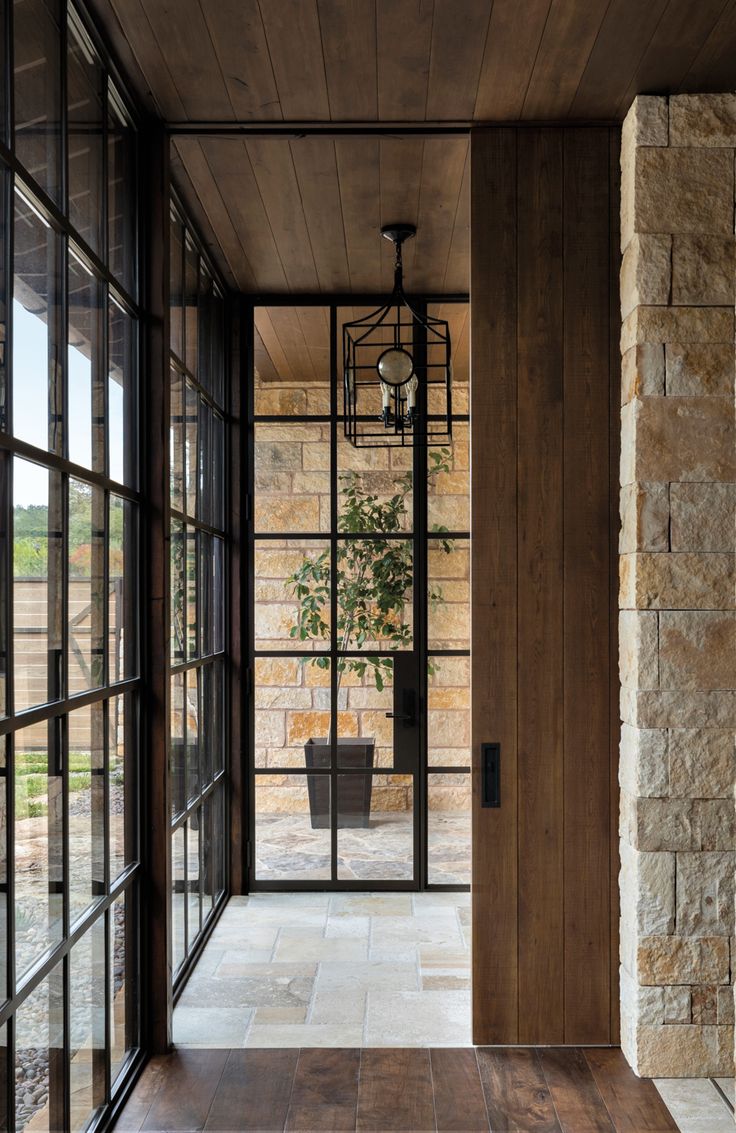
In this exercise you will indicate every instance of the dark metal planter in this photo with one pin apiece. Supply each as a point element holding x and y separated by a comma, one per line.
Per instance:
<point>354,800</point>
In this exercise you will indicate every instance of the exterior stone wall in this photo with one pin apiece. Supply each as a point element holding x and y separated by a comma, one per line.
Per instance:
<point>677,619</point>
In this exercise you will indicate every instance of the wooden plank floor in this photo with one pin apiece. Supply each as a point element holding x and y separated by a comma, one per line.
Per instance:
<point>525,1090</point>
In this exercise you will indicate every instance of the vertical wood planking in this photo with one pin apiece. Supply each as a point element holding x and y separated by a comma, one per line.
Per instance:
<point>540,675</point>
<point>586,593</point>
<point>494,578</point>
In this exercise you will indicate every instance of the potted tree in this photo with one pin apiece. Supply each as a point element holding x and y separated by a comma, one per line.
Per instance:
<point>374,581</point>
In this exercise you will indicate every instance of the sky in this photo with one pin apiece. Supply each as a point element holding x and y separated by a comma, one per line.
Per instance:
<point>30,407</point>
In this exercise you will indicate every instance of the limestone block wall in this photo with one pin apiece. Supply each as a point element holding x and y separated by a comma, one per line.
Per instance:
<point>677,619</point>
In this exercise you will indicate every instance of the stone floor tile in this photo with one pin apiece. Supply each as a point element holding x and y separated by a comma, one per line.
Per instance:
<point>281,1014</point>
<point>337,1007</point>
<point>431,898</point>
<point>211,1026</point>
<point>393,955</point>
<point>256,985</point>
<point>727,1085</point>
<point>430,1018</point>
<point>298,950</point>
<point>366,976</point>
<point>348,926</point>
<point>400,931</point>
<point>696,1105</point>
<point>445,981</point>
<point>304,1035</point>
<point>370,904</point>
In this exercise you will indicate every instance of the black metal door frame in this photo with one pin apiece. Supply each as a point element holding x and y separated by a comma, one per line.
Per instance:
<point>419,538</point>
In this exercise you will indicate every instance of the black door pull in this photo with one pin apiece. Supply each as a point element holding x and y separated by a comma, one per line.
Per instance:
<point>490,769</point>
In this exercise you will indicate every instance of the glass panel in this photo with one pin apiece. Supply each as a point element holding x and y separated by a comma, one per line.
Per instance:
<point>86,601</point>
<point>218,472</point>
<point>448,829</point>
<point>177,762</point>
<point>37,601</point>
<point>191,538</point>
<point>38,843</point>
<point>292,708</point>
<point>36,391</point>
<point>292,478</point>
<point>292,832</point>
<point>5,1069</point>
<point>37,46</point>
<point>206,835</point>
<point>206,313</point>
<point>457,316</point>
<point>193,901</point>
<point>192,733</point>
<point>448,494</point>
<point>219,843</point>
<point>191,459</point>
<point>375,836</point>
<point>121,723</point>
<point>176,287</point>
<point>292,360</point>
<point>86,808</point>
<point>85,93</point>
<point>39,1057</point>
<point>448,613</point>
<point>4,282</point>
<point>178,897</point>
<point>292,594</point>
<point>3,892</point>
<point>122,626</point>
<point>213,758</point>
<point>87,1026</point>
<point>448,700</point>
<point>86,407</point>
<point>374,488</point>
<point>123,982</point>
<point>191,314</point>
<point>121,175</point>
<point>375,594</point>
<point>121,386</point>
<point>178,590</point>
<point>365,695</point>
<point>176,441</point>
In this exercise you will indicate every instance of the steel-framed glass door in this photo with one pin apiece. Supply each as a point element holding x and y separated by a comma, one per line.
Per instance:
<point>358,593</point>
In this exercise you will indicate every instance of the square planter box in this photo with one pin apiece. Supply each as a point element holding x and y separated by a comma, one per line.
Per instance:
<point>355,790</point>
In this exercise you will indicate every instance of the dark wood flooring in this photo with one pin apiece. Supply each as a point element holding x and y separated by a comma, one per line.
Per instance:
<point>526,1090</point>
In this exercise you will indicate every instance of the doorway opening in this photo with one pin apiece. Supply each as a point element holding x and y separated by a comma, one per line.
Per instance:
<point>359,602</point>
<point>356,927</point>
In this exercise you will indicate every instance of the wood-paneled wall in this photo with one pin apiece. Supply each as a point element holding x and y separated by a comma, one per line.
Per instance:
<point>544,413</point>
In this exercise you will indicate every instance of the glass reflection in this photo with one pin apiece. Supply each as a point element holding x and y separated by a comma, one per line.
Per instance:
<point>86,815</point>
<point>87,1026</point>
<point>39,1057</point>
<point>39,855</point>
<point>85,93</point>
<point>36,391</point>
<point>37,90</point>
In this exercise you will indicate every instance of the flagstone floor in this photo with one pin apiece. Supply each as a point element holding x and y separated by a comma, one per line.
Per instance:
<point>333,970</point>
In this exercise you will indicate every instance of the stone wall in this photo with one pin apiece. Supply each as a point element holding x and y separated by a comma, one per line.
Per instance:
<point>677,620</point>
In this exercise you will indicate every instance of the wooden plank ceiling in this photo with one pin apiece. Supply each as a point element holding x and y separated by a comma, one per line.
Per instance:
<point>302,214</point>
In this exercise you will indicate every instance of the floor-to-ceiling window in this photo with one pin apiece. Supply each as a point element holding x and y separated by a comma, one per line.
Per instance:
<point>197,763</point>
<point>69,524</point>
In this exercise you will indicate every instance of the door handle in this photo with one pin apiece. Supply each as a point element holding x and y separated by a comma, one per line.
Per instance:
<point>409,705</point>
<point>399,716</point>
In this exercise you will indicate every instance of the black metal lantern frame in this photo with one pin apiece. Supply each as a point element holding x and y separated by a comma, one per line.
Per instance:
<point>397,388</point>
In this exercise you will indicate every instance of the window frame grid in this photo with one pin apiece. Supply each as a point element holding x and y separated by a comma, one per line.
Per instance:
<point>193,525</point>
<point>420,538</point>
<point>55,712</point>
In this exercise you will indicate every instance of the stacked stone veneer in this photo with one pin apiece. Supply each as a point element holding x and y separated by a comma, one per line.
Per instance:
<point>292,699</point>
<point>677,620</point>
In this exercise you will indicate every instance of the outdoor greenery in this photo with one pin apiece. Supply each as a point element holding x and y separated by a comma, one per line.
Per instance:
<point>32,780</point>
<point>374,577</point>
<point>30,536</point>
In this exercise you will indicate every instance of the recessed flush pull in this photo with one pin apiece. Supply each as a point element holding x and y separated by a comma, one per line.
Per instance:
<point>490,775</point>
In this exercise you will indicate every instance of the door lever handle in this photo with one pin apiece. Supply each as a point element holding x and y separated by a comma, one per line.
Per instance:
<point>399,716</point>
